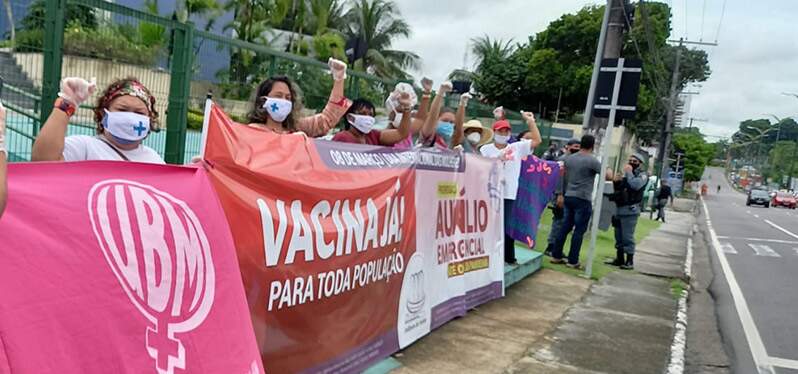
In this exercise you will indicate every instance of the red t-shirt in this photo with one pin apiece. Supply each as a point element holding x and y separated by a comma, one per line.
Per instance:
<point>346,136</point>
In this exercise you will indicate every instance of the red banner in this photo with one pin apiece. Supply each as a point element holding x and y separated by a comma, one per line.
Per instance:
<point>111,267</point>
<point>335,273</point>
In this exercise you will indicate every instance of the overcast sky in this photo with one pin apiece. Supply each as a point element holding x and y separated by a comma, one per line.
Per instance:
<point>756,60</point>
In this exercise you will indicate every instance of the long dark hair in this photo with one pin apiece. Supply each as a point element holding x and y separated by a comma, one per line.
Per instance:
<point>259,115</point>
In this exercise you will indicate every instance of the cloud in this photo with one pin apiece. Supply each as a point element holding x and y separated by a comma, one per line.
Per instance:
<point>756,60</point>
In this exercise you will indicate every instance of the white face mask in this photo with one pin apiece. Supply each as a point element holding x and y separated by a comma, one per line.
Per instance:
<point>474,137</point>
<point>501,139</point>
<point>126,127</point>
<point>278,109</point>
<point>364,124</point>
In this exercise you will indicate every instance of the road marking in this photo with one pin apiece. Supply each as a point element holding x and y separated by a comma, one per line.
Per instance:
<point>748,211</point>
<point>783,362</point>
<point>781,229</point>
<point>728,248</point>
<point>758,352</point>
<point>763,250</point>
<point>758,240</point>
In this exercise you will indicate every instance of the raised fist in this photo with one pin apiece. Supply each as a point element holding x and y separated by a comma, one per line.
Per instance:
<point>337,68</point>
<point>77,90</point>
<point>426,84</point>
<point>498,113</point>
<point>405,102</point>
<point>528,116</point>
<point>464,98</point>
<point>445,88</point>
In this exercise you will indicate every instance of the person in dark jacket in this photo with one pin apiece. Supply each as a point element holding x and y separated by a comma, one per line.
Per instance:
<point>662,196</point>
<point>629,187</point>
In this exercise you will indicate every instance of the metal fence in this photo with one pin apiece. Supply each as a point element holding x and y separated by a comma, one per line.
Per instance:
<point>178,63</point>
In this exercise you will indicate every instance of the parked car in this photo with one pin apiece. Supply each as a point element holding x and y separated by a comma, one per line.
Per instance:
<point>758,197</point>
<point>784,199</point>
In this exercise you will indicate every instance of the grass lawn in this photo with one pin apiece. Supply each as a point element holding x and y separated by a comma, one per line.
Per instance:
<point>605,245</point>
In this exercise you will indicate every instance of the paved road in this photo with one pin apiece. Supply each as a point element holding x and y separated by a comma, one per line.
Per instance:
<point>756,279</point>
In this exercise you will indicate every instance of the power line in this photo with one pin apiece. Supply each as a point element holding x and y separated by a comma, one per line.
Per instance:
<point>703,13</point>
<point>722,13</point>
<point>685,20</point>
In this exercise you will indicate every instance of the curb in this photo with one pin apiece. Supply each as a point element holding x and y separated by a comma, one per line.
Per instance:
<point>679,344</point>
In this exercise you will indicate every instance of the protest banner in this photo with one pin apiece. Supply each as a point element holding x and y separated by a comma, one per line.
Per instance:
<point>112,267</point>
<point>351,252</point>
<point>535,189</point>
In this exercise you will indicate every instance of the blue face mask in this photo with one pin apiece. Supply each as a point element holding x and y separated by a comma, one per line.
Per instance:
<point>445,129</point>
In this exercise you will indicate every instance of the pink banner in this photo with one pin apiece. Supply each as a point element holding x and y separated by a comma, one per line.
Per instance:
<point>110,267</point>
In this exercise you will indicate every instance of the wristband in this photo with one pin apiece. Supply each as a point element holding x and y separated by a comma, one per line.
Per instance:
<point>65,106</point>
<point>341,102</point>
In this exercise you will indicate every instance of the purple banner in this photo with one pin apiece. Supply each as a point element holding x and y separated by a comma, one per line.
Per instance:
<point>535,188</point>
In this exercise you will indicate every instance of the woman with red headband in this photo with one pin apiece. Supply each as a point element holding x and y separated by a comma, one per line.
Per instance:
<point>124,115</point>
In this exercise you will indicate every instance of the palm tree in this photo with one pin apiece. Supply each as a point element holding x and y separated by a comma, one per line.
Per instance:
<point>485,48</point>
<point>378,22</point>
<point>326,15</point>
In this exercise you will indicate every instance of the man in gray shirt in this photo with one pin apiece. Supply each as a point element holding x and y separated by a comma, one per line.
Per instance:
<point>580,173</point>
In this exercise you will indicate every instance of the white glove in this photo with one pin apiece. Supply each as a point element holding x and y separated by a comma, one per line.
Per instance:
<point>3,129</point>
<point>401,88</point>
<point>337,68</point>
<point>77,90</point>
<point>498,113</point>
<point>464,98</point>
<point>445,88</point>
<point>405,102</point>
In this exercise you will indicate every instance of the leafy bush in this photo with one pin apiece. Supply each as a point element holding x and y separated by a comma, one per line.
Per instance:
<point>29,41</point>
<point>329,45</point>
<point>108,43</point>
<point>194,119</point>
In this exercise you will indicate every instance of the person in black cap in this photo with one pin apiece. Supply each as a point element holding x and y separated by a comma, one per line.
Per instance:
<point>629,188</point>
<point>557,202</point>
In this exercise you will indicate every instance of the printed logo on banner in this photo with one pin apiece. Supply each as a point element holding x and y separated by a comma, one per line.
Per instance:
<point>159,253</point>
<point>415,313</point>
<point>495,190</point>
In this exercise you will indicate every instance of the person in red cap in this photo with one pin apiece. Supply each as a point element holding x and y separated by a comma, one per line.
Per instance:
<point>511,155</point>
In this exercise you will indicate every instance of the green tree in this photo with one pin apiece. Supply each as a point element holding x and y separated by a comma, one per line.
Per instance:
<point>697,153</point>
<point>781,160</point>
<point>561,57</point>
<point>379,23</point>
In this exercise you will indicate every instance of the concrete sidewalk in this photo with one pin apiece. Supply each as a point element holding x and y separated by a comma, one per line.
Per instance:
<point>556,323</point>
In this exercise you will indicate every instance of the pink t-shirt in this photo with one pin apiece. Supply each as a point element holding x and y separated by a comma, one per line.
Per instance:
<point>346,136</point>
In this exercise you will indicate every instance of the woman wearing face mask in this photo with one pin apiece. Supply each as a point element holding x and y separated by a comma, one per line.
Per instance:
<point>360,119</point>
<point>475,136</point>
<point>125,114</point>
<point>276,109</point>
<point>439,127</point>
<point>511,155</point>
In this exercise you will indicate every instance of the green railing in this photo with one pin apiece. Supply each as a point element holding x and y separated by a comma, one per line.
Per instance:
<point>178,63</point>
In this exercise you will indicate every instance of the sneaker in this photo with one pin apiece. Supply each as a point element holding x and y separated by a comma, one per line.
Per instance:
<point>511,262</point>
<point>557,261</point>
<point>574,266</point>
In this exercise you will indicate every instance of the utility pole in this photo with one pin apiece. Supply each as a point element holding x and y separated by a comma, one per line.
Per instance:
<point>665,143</point>
<point>609,46</point>
<point>612,47</point>
<point>672,97</point>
